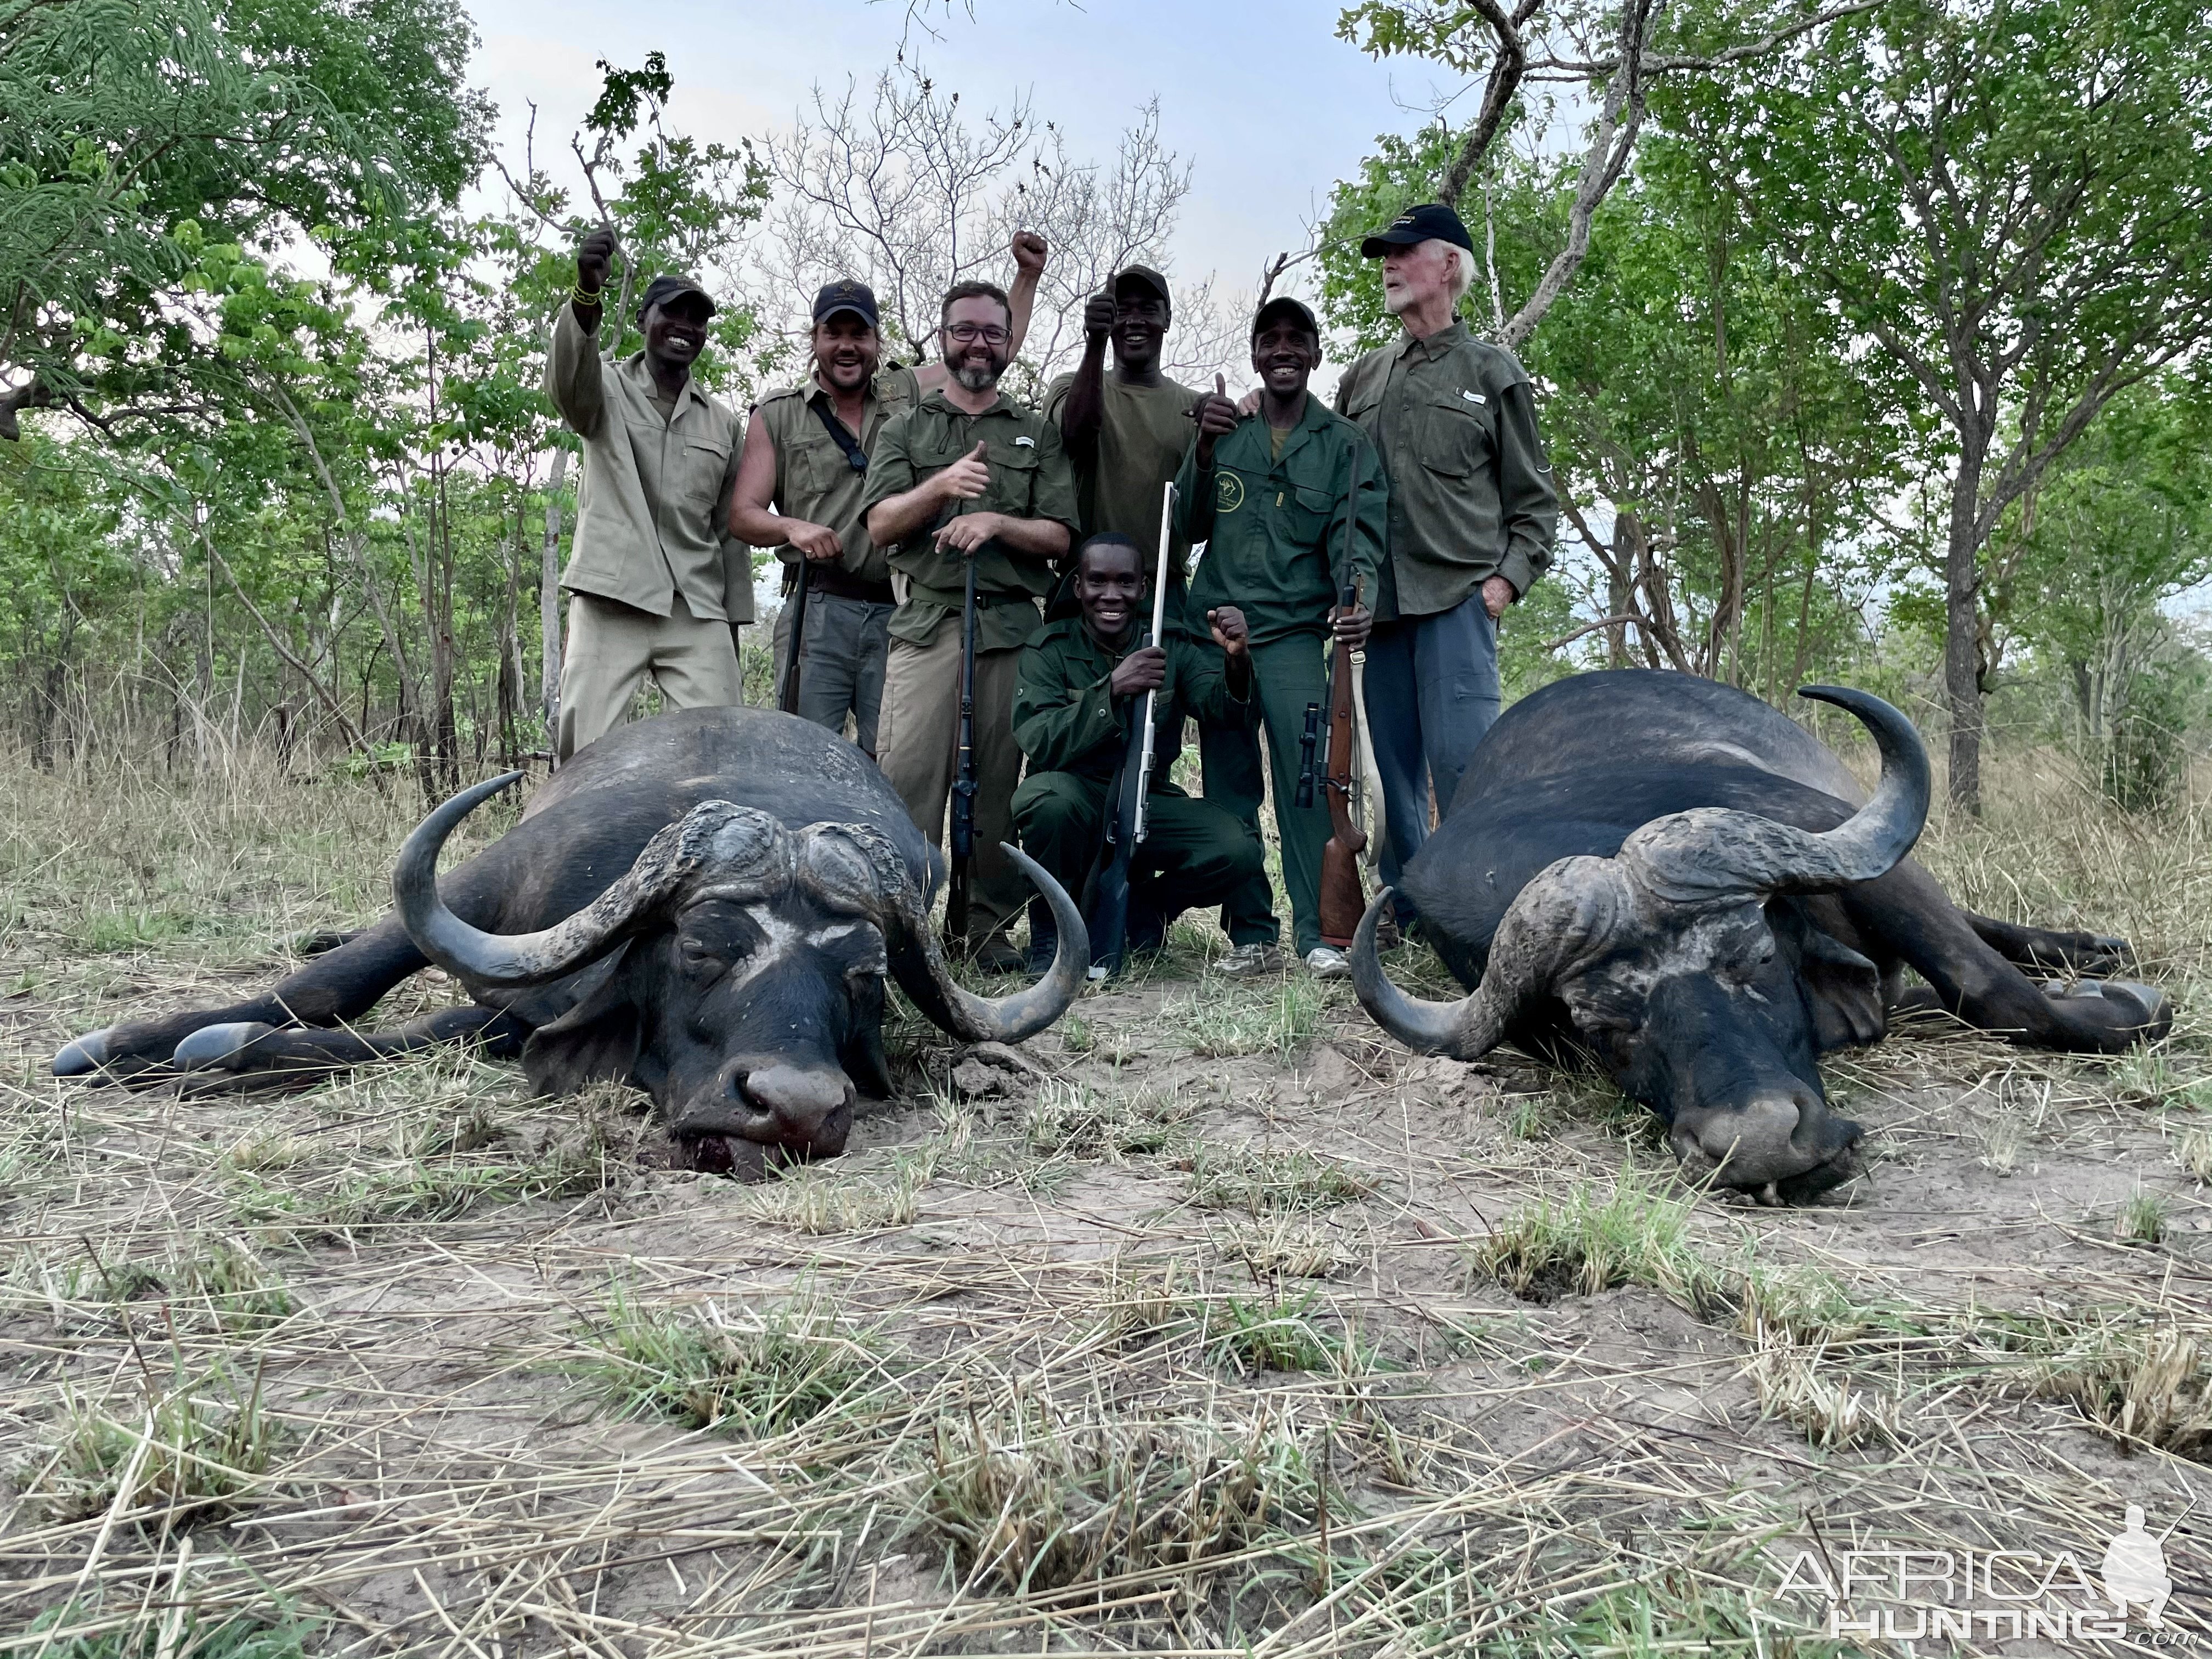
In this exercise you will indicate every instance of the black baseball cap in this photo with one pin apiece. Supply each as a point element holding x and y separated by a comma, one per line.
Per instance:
<point>1283,306</point>
<point>1431,222</point>
<point>661,289</point>
<point>846,294</point>
<point>1144,276</point>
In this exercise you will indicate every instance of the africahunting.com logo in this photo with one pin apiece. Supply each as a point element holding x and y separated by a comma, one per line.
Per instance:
<point>1964,1595</point>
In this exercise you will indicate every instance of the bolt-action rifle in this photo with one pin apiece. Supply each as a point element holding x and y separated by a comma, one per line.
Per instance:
<point>1132,786</point>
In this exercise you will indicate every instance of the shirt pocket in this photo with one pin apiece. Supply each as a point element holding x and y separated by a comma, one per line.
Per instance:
<point>1306,512</point>
<point>1013,478</point>
<point>1455,437</point>
<point>816,467</point>
<point>706,461</point>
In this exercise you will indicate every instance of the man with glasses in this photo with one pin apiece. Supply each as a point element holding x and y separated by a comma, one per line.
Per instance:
<point>655,585</point>
<point>967,475</point>
<point>806,456</point>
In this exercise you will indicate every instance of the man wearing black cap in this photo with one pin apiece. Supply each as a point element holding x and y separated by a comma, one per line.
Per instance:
<point>654,584</point>
<point>806,450</point>
<point>1472,514</point>
<point>806,456</point>
<point>1291,502</point>
<point>1126,433</point>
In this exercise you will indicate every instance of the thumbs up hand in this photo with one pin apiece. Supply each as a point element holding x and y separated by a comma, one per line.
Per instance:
<point>1216,417</point>
<point>967,478</point>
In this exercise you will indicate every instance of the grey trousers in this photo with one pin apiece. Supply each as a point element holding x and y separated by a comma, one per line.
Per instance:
<point>1431,688</point>
<point>840,667</point>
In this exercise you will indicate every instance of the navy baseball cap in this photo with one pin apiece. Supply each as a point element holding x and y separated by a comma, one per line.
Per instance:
<point>1142,276</point>
<point>661,289</point>
<point>1280,306</point>
<point>1431,222</point>
<point>845,294</point>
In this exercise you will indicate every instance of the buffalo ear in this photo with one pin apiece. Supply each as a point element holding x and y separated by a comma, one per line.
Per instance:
<point>1844,989</point>
<point>597,1040</point>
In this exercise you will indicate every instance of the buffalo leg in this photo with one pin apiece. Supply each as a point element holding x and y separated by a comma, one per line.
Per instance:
<point>1908,912</point>
<point>249,1056</point>
<point>2047,951</point>
<point>340,986</point>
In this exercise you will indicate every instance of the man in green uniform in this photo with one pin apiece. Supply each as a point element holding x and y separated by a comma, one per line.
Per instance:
<point>967,475</point>
<point>806,456</point>
<point>1126,434</point>
<point>1081,685</point>
<point>1291,503</point>
<point>1472,514</point>
<point>654,583</point>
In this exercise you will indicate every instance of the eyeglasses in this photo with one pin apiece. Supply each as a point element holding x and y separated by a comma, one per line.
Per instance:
<point>968,333</point>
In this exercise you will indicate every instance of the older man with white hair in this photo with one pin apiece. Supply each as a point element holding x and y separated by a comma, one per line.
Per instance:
<point>1472,515</point>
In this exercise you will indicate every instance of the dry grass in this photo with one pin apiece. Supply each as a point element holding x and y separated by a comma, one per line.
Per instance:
<point>1239,1332</point>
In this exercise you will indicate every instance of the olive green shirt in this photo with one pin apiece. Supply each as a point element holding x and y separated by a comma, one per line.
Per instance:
<point>1142,434</point>
<point>1066,718</point>
<point>1030,479</point>
<point>814,481</point>
<point>1471,490</point>
<point>1282,531</point>
<point>652,503</point>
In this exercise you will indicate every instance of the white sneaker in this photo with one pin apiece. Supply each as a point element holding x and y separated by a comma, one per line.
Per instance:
<point>1327,962</point>
<point>1250,962</point>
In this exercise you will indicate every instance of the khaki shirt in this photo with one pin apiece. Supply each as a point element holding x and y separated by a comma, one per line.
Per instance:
<point>652,505</point>
<point>814,481</point>
<point>1030,479</point>
<point>1142,435</point>
<point>1471,491</point>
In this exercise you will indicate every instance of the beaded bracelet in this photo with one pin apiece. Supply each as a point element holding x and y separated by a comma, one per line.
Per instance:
<point>584,299</point>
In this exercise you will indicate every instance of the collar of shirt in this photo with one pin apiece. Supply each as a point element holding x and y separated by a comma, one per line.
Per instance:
<point>815,391</point>
<point>634,365</point>
<point>1433,346</point>
<point>1312,419</point>
<point>936,399</point>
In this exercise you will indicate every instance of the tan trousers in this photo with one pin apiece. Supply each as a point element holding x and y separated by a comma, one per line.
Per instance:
<point>918,741</point>
<point>612,646</point>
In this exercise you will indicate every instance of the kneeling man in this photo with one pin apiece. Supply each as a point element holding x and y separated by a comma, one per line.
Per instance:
<point>1078,685</point>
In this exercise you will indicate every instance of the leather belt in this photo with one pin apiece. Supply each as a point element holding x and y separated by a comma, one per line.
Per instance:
<point>841,583</point>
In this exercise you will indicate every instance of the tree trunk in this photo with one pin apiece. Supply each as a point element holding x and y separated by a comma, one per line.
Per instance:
<point>1962,675</point>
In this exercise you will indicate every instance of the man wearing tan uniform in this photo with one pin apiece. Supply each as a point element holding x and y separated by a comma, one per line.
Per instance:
<point>806,456</point>
<point>654,585</point>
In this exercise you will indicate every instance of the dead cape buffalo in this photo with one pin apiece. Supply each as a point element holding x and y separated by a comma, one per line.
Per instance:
<point>1668,877</point>
<point>706,904</point>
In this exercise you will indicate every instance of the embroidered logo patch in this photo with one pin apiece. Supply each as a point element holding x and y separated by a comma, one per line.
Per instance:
<point>1473,397</point>
<point>1026,442</point>
<point>1228,492</point>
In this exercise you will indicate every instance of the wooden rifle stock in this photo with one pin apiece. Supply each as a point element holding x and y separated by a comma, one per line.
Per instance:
<point>1341,901</point>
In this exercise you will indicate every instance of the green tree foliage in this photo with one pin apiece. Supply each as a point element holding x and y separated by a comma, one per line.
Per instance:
<point>126,126</point>
<point>2011,202</point>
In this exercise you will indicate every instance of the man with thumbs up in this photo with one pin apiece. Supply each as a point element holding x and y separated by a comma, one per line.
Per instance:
<point>967,475</point>
<point>1126,433</point>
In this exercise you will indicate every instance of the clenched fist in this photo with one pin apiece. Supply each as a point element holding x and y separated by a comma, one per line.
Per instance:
<point>595,257</point>
<point>1029,251</point>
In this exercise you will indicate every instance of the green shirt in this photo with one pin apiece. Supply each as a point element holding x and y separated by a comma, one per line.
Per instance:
<point>1142,435</point>
<point>1471,491</point>
<point>652,504</point>
<point>1066,718</point>
<point>1279,528</point>
<point>1030,479</point>
<point>814,481</point>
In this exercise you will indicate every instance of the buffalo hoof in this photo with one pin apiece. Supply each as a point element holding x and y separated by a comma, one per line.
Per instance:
<point>2146,1012</point>
<point>212,1044</point>
<point>88,1054</point>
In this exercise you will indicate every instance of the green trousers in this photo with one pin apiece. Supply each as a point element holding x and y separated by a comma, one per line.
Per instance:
<point>1194,855</point>
<point>1291,673</point>
<point>1236,777</point>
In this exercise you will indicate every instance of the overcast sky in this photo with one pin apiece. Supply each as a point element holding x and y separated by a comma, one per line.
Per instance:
<point>1270,105</point>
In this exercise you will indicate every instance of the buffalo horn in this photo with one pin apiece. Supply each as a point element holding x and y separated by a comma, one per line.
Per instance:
<point>922,973</point>
<point>1465,1029</point>
<point>713,833</point>
<point>1713,854</point>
